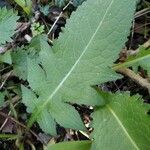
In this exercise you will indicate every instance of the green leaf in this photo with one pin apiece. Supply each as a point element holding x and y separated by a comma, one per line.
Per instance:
<point>45,121</point>
<point>44,9</point>
<point>25,4</point>
<point>60,3</point>
<point>6,57</point>
<point>123,123</point>
<point>8,136</point>
<point>141,59</point>
<point>36,43</point>
<point>8,24</point>
<point>67,74</point>
<point>77,2</point>
<point>19,58</point>
<point>78,145</point>
<point>1,98</point>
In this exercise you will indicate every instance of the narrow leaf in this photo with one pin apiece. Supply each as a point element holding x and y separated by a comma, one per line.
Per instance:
<point>8,136</point>
<point>141,59</point>
<point>25,4</point>
<point>1,98</point>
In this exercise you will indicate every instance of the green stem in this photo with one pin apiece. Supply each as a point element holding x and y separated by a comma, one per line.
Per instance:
<point>8,136</point>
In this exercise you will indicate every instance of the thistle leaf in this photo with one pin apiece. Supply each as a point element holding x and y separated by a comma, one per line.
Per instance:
<point>123,119</point>
<point>8,24</point>
<point>77,62</point>
<point>45,121</point>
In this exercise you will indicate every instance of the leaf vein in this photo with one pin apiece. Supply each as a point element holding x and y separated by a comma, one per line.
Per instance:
<point>78,60</point>
<point>122,126</point>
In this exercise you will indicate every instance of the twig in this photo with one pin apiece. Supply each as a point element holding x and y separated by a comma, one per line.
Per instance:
<point>5,80</point>
<point>6,104</point>
<point>132,33</point>
<point>146,44</point>
<point>135,77</point>
<point>4,123</point>
<point>22,125</point>
<point>31,145</point>
<point>85,134</point>
<point>134,52</point>
<point>4,76</point>
<point>70,2</point>
<point>128,72</point>
<point>142,12</point>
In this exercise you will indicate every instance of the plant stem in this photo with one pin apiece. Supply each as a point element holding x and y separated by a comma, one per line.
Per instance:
<point>135,77</point>
<point>59,17</point>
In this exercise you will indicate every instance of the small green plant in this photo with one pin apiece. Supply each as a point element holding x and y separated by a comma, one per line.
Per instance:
<point>37,29</point>
<point>67,73</point>
<point>45,9</point>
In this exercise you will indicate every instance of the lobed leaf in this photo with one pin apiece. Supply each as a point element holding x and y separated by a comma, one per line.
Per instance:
<point>20,55</point>
<point>45,121</point>
<point>8,24</point>
<point>123,123</point>
<point>77,62</point>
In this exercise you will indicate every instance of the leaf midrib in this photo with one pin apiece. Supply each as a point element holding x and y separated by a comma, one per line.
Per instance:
<point>78,60</point>
<point>122,127</point>
<point>36,113</point>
